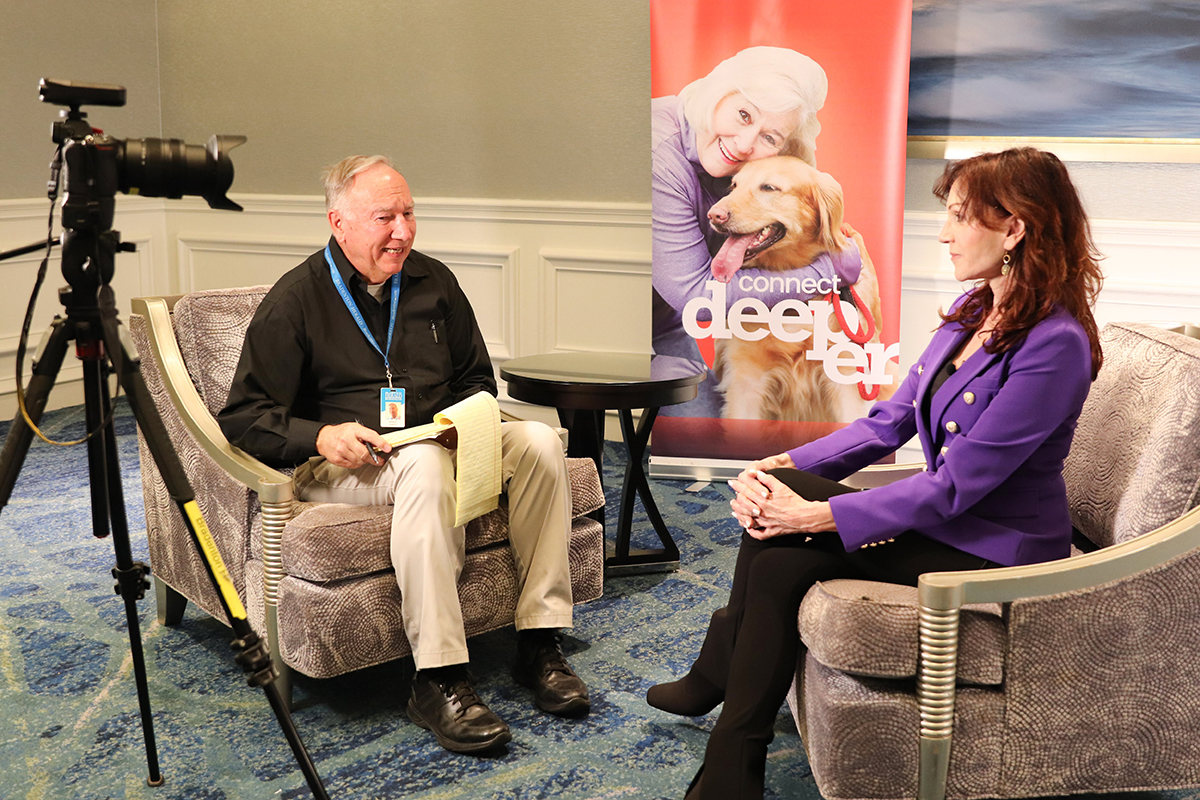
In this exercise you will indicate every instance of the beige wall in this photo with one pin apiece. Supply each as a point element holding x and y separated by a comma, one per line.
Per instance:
<point>71,40</point>
<point>525,99</point>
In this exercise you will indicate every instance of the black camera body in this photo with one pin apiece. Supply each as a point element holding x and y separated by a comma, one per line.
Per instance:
<point>151,167</point>
<point>96,166</point>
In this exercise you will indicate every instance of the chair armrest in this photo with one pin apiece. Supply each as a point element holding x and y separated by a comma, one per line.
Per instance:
<point>941,596</point>
<point>271,485</point>
<point>946,591</point>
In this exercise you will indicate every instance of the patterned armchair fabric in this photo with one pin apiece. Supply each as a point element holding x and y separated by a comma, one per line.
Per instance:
<point>318,583</point>
<point>1077,676</point>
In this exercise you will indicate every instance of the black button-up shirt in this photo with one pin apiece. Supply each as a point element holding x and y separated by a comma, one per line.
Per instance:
<point>306,364</point>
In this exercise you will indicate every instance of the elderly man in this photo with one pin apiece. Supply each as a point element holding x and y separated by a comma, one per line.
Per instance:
<point>369,334</point>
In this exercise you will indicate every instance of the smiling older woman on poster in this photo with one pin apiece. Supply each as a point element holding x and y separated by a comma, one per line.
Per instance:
<point>761,102</point>
<point>993,401</point>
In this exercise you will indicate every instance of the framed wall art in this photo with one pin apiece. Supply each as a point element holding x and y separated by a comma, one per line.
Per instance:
<point>1106,80</point>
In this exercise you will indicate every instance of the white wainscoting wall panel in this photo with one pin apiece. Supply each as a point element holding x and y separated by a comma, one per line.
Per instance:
<point>22,222</point>
<point>1151,269</point>
<point>204,262</point>
<point>488,276</point>
<point>596,301</point>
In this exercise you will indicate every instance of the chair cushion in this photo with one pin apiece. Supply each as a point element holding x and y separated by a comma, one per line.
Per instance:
<point>587,495</point>
<point>332,541</point>
<point>869,628</point>
<point>329,628</point>
<point>1135,462</point>
<point>862,737</point>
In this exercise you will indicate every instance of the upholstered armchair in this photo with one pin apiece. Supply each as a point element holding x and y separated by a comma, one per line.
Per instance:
<point>316,579</point>
<point>1071,677</point>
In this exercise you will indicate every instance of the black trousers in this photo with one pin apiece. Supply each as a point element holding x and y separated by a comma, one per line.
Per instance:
<point>752,644</point>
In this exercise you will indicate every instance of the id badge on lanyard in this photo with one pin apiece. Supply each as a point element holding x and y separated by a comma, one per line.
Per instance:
<point>391,399</point>
<point>391,408</point>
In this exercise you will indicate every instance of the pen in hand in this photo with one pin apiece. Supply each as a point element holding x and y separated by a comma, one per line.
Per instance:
<point>376,455</point>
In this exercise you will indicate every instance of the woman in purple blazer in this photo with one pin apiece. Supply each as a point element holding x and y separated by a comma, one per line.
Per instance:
<point>993,401</point>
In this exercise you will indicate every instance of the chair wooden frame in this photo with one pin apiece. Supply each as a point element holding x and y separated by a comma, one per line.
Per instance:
<point>274,489</point>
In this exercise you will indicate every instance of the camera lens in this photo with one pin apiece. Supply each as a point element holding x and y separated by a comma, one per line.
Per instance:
<point>172,168</point>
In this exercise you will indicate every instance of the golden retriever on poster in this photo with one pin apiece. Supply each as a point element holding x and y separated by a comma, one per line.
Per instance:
<point>782,213</point>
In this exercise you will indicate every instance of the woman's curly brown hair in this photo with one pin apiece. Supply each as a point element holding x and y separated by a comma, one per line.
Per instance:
<point>1055,264</point>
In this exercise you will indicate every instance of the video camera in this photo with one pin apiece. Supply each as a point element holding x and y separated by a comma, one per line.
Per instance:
<point>97,166</point>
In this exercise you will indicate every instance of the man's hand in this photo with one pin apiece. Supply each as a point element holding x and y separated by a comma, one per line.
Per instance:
<point>349,445</point>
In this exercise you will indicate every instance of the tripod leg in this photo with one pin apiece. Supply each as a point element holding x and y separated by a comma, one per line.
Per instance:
<point>45,370</point>
<point>283,682</point>
<point>108,506</point>
<point>251,653</point>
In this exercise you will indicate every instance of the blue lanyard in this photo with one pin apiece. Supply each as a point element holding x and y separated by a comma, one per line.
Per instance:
<point>354,312</point>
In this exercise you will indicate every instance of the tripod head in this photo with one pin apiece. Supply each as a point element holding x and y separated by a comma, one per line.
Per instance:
<point>97,166</point>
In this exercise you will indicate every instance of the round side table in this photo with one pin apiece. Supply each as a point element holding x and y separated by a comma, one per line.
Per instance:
<point>582,386</point>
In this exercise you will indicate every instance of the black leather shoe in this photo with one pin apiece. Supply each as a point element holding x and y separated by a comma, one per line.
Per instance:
<point>445,703</point>
<point>541,667</point>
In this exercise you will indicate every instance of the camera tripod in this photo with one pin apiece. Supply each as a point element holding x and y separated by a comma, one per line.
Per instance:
<point>91,322</point>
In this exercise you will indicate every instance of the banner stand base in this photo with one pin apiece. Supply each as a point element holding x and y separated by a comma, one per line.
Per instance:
<point>713,470</point>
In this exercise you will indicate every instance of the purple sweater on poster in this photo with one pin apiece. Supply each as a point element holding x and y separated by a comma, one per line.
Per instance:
<point>684,242</point>
<point>994,437</point>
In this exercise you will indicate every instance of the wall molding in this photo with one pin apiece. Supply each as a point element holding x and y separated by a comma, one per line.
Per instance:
<point>564,212</point>
<point>929,223</point>
<point>543,275</point>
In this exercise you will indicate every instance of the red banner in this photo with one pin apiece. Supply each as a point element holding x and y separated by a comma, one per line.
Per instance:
<point>778,147</point>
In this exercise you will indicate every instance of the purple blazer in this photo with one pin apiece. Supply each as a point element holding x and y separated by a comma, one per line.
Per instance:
<point>994,437</point>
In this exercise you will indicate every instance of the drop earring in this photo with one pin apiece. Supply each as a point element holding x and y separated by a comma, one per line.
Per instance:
<point>1006,264</point>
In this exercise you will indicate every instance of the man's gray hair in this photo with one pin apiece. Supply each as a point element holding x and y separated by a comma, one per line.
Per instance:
<point>337,179</point>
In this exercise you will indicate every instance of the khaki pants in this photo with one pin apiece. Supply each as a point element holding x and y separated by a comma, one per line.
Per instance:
<point>428,552</point>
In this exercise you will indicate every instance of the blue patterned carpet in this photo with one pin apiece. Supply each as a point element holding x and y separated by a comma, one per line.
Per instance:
<point>70,716</point>
<point>71,727</point>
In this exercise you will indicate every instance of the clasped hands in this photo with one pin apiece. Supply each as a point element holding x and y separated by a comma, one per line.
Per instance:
<point>766,507</point>
<point>352,445</point>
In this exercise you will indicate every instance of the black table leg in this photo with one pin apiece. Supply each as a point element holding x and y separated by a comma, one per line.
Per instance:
<point>585,439</point>
<point>624,561</point>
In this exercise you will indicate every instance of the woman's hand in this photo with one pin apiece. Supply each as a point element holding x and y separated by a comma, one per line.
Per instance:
<point>783,460</point>
<point>748,478</point>
<point>766,508</point>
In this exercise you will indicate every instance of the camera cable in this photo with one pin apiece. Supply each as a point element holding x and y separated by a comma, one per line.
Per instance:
<point>51,191</point>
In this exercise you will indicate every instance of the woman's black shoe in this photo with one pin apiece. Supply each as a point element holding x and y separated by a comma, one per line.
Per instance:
<point>443,702</point>
<point>690,696</point>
